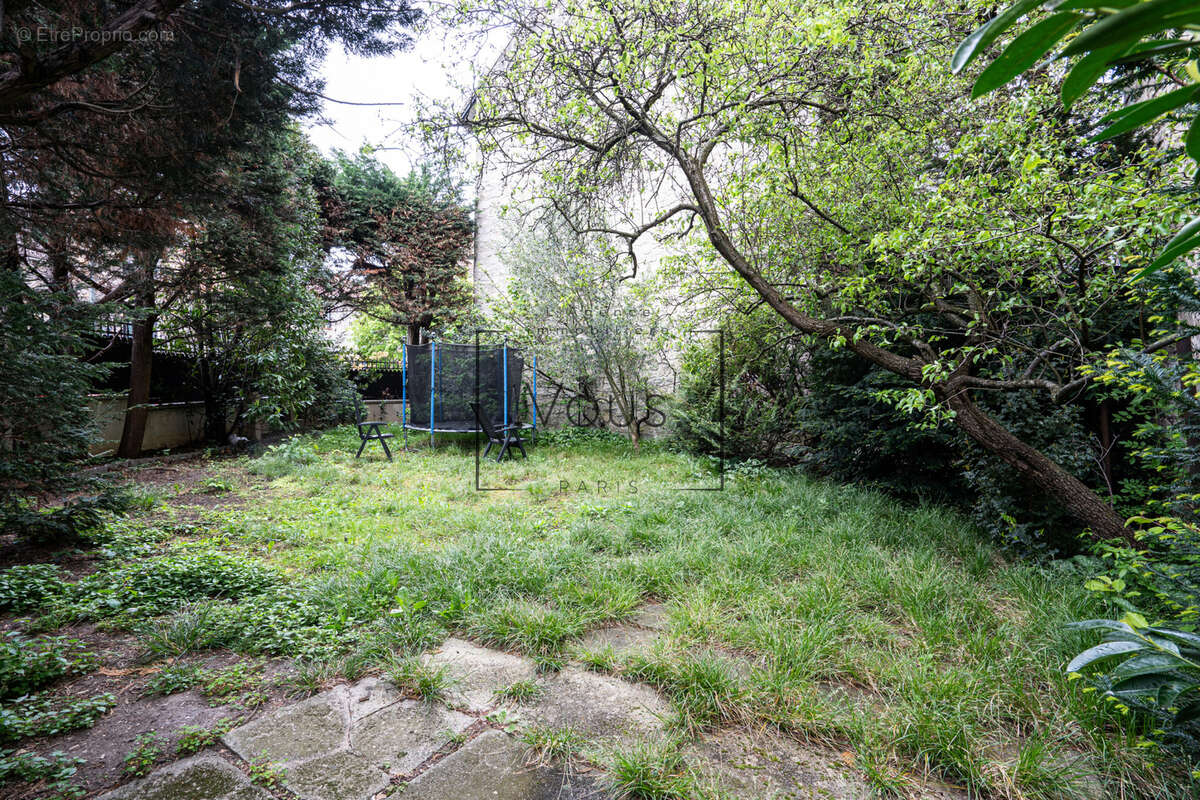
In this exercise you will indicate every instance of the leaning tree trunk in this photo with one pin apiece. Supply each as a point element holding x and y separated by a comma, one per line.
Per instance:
<point>1038,469</point>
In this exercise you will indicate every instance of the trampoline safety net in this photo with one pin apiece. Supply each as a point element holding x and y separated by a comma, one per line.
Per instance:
<point>454,370</point>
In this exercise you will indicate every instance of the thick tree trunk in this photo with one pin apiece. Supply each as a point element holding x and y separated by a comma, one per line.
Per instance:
<point>1039,470</point>
<point>141,359</point>
<point>10,250</point>
<point>136,411</point>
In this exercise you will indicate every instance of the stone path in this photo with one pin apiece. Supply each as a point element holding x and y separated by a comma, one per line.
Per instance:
<point>367,741</point>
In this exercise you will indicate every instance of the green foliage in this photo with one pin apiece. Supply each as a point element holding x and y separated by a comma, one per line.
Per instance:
<point>1146,38</point>
<point>703,687</point>
<point>76,522</point>
<point>1028,522</point>
<point>549,745</point>
<point>425,680</point>
<point>408,237</point>
<point>27,664</point>
<point>283,458</point>
<point>157,585</point>
<point>598,332</point>
<point>267,773</point>
<point>577,435</point>
<point>56,770</point>
<point>47,715</point>
<point>28,586</point>
<point>1151,669</point>
<point>256,327</point>
<point>520,691</point>
<point>651,772</point>
<point>766,374</point>
<point>374,338</point>
<point>43,398</point>
<point>174,678</point>
<point>140,760</point>
<point>193,738</point>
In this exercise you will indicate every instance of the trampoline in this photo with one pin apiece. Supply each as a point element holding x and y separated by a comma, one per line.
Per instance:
<point>441,380</point>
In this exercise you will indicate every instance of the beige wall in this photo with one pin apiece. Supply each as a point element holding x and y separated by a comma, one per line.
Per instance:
<point>172,425</point>
<point>167,425</point>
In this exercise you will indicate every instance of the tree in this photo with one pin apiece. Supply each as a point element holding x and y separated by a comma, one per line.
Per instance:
<point>254,323</point>
<point>45,426</point>
<point>827,160</point>
<point>567,296</point>
<point>1145,51</point>
<point>113,153</point>
<point>408,241</point>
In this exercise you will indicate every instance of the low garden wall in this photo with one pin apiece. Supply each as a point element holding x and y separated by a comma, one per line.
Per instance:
<point>173,425</point>
<point>168,425</point>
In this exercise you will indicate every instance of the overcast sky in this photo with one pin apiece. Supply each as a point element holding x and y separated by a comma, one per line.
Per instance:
<point>430,69</point>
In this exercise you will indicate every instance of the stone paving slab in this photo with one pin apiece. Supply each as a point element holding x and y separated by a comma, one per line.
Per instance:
<point>350,742</point>
<point>313,727</point>
<point>652,615</point>
<point>607,710</point>
<point>478,672</point>
<point>493,766</point>
<point>766,765</point>
<point>402,737</point>
<point>339,776</point>
<point>623,639</point>
<point>206,777</point>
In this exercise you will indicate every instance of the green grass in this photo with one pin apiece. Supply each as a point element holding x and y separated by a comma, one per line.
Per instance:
<point>829,612</point>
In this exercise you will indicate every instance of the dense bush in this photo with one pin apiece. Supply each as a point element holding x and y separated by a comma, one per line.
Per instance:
<point>792,400</point>
<point>74,523</point>
<point>45,425</point>
<point>1006,507</point>
<point>28,664</point>
<point>764,388</point>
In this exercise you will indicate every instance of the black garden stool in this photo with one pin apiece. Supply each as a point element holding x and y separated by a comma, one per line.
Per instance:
<point>505,437</point>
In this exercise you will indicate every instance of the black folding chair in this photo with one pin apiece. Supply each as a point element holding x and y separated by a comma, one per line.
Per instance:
<point>371,431</point>
<point>507,436</point>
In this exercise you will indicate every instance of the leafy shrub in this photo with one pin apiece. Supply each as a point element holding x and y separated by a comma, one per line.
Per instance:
<point>1002,504</point>
<point>855,434</point>
<point>44,715</point>
<point>575,435</point>
<point>74,523</point>
<point>28,586</point>
<point>193,738</point>
<point>265,772</point>
<point>1156,677</point>
<point>157,585</point>
<point>55,770</point>
<point>43,397</point>
<point>1157,672</point>
<point>140,760</point>
<point>174,678</point>
<point>283,458</point>
<point>1160,578</point>
<point>28,664</point>
<point>765,371</point>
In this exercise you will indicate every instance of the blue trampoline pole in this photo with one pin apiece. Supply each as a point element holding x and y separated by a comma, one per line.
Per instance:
<point>505,371</point>
<point>535,405</point>
<point>432,386</point>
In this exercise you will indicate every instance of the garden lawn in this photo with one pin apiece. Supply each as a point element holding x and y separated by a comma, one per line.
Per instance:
<point>841,618</point>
